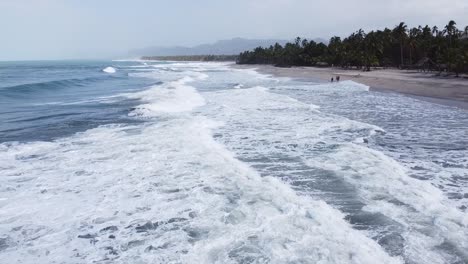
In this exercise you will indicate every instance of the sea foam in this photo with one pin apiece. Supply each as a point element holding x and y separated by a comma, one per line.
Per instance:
<point>173,97</point>
<point>230,166</point>
<point>168,186</point>
<point>109,70</point>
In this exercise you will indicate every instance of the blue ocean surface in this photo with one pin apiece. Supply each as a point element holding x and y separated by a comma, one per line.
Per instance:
<point>45,100</point>
<point>193,162</point>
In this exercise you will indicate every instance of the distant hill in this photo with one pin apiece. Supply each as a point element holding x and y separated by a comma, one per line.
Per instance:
<point>222,47</point>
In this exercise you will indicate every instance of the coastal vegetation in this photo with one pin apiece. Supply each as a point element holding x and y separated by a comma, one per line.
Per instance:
<point>425,48</point>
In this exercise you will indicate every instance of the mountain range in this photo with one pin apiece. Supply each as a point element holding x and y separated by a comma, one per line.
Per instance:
<point>222,47</point>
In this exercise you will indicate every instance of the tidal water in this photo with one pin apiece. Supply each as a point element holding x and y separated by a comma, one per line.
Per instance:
<point>164,162</point>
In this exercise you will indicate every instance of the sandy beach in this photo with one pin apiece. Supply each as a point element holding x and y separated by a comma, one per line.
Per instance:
<point>444,90</point>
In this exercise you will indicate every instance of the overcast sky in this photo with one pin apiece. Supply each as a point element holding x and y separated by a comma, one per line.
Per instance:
<point>59,29</point>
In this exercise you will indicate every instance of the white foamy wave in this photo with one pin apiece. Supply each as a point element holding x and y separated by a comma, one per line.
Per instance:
<point>354,86</point>
<point>173,97</point>
<point>201,183</point>
<point>340,87</point>
<point>161,193</point>
<point>261,76</point>
<point>139,66</point>
<point>129,60</point>
<point>252,106</point>
<point>200,76</point>
<point>109,70</point>
<point>260,98</point>
<point>165,75</point>
<point>200,66</point>
<point>385,185</point>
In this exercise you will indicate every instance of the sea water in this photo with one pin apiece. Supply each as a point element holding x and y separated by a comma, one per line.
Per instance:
<point>165,162</point>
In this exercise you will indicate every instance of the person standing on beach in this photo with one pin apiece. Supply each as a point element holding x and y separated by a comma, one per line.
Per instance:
<point>338,78</point>
<point>331,79</point>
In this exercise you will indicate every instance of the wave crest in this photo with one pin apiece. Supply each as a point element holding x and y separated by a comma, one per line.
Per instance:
<point>109,70</point>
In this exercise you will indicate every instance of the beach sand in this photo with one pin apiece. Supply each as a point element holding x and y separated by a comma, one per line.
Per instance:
<point>444,90</point>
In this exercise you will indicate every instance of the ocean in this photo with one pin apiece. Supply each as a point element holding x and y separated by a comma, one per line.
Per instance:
<point>178,162</point>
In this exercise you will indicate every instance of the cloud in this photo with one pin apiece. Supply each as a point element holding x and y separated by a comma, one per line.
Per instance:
<point>72,28</point>
<point>326,18</point>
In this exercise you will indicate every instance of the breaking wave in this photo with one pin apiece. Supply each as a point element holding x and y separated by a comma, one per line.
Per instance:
<point>227,166</point>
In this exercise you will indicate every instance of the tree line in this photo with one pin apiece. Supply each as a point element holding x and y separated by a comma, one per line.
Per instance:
<point>425,48</point>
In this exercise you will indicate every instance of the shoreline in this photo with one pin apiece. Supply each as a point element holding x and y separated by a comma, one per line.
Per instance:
<point>424,86</point>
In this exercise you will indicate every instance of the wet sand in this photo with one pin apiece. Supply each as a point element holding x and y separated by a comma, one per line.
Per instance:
<point>443,90</point>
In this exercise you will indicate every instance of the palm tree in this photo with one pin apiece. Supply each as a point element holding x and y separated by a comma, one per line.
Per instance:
<point>373,47</point>
<point>426,39</point>
<point>400,32</point>
<point>297,41</point>
<point>435,31</point>
<point>335,47</point>
<point>451,30</point>
<point>413,41</point>
<point>447,48</point>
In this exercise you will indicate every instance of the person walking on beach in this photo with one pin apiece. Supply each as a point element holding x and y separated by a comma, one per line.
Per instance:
<point>338,78</point>
<point>331,79</point>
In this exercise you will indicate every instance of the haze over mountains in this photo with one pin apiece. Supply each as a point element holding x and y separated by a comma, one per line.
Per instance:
<point>222,47</point>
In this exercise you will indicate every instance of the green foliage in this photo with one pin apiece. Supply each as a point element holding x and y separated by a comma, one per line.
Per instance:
<point>419,47</point>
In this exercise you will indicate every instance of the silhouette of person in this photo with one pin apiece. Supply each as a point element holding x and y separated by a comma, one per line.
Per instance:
<point>332,79</point>
<point>338,78</point>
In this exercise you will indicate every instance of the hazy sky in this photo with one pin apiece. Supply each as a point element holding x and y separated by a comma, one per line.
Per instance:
<point>54,29</point>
